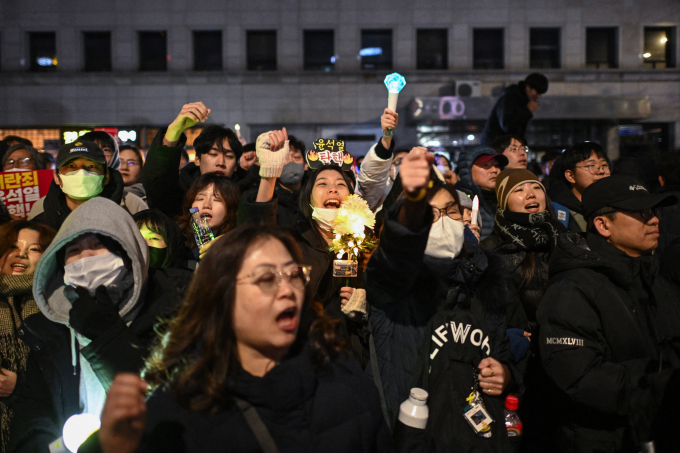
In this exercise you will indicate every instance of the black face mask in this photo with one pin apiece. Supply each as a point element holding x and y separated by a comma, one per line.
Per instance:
<point>157,257</point>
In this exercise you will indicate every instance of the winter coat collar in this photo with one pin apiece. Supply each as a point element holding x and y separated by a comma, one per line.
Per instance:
<point>591,251</point>
<point>285,387</point>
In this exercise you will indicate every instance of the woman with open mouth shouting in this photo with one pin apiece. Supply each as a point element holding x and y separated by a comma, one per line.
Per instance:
<point>321,198</point>
<point>525,234</point>
<point>216,198</point>
<point>250,363</point>
<point>22,243</point>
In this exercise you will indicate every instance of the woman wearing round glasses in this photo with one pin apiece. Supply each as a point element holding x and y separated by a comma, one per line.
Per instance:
<point>249,361</point>
<point>22,157</point>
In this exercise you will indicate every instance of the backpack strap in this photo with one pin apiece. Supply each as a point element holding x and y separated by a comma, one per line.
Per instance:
<point>257,426</point>
<point>562,213</point>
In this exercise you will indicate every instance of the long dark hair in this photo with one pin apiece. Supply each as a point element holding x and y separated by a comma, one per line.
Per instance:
<point>9,232</point>
<point>230,195</point>
<point>197,356</point>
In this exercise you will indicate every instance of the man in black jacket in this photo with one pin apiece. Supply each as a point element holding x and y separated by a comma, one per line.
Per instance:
<point>218,150</point>
<point>515,108</point>
<point>608,320</point>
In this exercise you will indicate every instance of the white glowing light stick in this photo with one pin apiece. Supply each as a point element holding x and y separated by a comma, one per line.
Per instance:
<point>78,428</point>
<point>394,83</point>
<point>475,210</point>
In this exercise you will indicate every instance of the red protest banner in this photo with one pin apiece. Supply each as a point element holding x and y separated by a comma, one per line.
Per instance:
<point>19,190</point>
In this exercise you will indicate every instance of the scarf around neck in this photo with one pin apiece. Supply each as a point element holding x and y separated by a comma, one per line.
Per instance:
<point>522,231</point>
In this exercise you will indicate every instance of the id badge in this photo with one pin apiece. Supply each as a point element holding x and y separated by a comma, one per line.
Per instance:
<point>480,420</point>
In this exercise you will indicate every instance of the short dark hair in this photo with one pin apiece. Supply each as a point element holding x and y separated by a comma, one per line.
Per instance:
<point>15,139</point>
<point>538,82</point>
<point>215,135</point>
<point>102,138</point>
<point>550,155</point>
<point>669,170</point>
<point>602,212</point>
<point>499,144</point>
<point>297,144</point>
<point>578,153</point>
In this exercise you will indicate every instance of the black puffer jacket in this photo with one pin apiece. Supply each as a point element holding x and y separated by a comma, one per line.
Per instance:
<point>458,341</point>
<point>335,410</point>
<point>510,115</point>
<point>405,290</point>
<point>607,323</point>
<point>531,294</point>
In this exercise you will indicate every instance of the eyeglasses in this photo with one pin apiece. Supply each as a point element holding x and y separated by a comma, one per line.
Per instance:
<point>21,163</point>
<point>595,168</point>
<point>129,163</point>
<point>269,280</point>
<point>450,211</point>
<point>648,214</point>
<point>518,148</point>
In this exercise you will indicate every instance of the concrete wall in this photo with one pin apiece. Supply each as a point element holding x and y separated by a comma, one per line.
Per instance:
<point>290,95</point>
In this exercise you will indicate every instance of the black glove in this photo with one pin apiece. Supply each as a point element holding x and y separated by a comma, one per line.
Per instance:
<point>91,316</point>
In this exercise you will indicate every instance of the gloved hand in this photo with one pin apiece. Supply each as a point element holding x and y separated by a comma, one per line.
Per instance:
<point>272,152</point>
<point>519,343</point>
<point>91,316</point>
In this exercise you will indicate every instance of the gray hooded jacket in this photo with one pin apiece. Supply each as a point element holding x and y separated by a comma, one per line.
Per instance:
<point>99,216</point>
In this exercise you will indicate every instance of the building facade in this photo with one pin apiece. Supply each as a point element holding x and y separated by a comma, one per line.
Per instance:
<point>317,67</point>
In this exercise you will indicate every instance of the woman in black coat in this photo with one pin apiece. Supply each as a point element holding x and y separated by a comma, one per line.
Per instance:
<point>248,362</point>
<point>421,273</point>
<point>321,198</point>
<point>525,235</point>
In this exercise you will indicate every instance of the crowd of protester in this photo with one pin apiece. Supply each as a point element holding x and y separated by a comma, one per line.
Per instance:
<point>560,288</point>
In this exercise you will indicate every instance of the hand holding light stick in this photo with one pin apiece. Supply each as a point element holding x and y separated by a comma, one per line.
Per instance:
<point>394,83</point>
<point>475,210</point>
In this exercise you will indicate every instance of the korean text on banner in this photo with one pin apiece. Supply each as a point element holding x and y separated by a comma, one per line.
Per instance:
<point>19,190</point>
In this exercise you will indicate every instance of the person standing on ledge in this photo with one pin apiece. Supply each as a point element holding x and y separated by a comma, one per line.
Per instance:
<point>515,108</point>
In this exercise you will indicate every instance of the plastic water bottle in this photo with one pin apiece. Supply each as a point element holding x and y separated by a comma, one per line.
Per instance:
<point>512,421</point>
<point>202,232</point>
<point>414,412</point>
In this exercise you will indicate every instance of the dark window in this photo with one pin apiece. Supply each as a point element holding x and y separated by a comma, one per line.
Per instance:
<point>97,51</point>
<point>319,50</point>
<point>376,49</point>
<point>432,49</point>
<point>544,48</point>
<point>602,49</point>
<point>261,50</point>
<point>43,51</point>
<point>487,52</point>
<point>207,50</point>
<point>659,49</point>
<point>153,51</point>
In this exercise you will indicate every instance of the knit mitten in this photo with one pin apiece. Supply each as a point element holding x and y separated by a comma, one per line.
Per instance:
<point>271,162</point>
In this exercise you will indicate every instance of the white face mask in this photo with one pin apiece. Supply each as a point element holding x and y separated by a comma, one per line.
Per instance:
<point>446,238</point>
<point>17,169</point>
<point>94,271</point>
<point>82,184</point>
<point>325,217</point>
